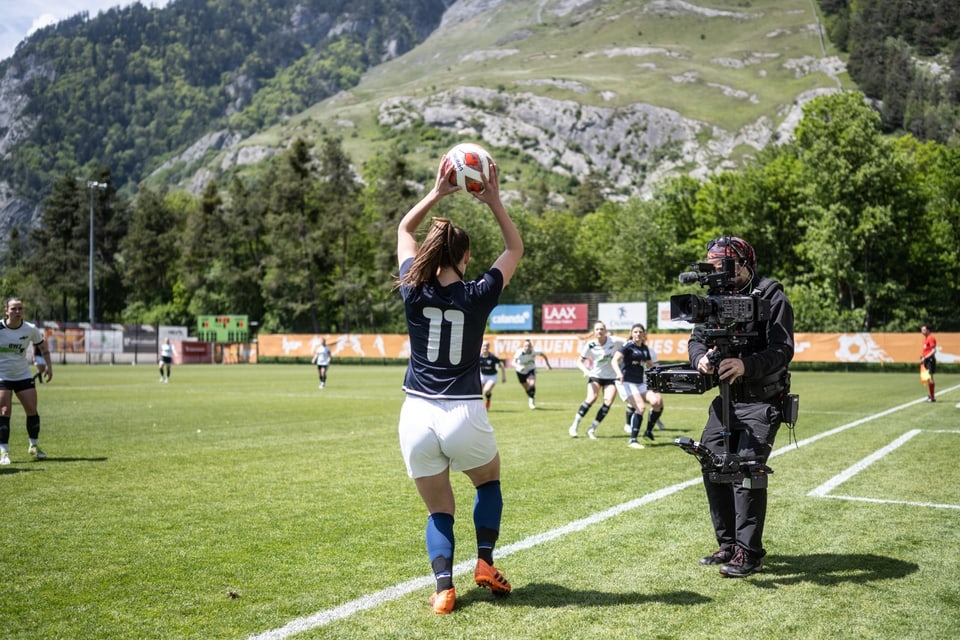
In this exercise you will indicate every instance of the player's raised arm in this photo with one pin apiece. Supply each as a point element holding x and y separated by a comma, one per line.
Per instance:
<point>512,242</point>
<point>406,231</point>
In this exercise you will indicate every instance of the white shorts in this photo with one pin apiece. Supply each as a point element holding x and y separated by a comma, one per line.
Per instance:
<point>488,378</point>
<point>437,434</point>
<point>630,389</point>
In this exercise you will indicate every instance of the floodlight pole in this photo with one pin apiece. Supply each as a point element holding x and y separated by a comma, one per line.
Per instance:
<point>92,185</point>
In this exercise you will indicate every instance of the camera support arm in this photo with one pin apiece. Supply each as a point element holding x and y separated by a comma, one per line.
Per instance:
<point>728,466</point>
<point>724,468</point>
<point>725,421</point>
<point>719,318</point>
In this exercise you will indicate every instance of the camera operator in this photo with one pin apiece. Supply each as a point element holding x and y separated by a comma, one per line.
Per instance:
<point>757,373</point>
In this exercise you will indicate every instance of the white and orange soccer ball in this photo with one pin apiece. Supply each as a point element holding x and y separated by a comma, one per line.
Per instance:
<point>470,161</point>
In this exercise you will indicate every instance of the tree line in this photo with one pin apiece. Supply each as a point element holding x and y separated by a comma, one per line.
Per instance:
<point>862,229</point>
<point>906,56</point>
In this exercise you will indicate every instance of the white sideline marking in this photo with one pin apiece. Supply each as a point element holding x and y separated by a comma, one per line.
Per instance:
<point>934,505</point>
<point>392,593</point>
<point>824,490</point>
<point>856,423</point>
<point>383,596</point>
<point>849,472</point>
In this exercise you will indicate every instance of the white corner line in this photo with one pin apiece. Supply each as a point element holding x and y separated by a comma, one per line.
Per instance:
<point>849,472</point>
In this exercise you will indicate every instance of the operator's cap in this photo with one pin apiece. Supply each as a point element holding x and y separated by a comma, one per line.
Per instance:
<point>732,247</point>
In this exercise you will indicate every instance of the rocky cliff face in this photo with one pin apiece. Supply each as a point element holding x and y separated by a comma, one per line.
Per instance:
<point>15,125</point>
<point>563,135</point>
<point>633,146</point>
<point>575,126</point>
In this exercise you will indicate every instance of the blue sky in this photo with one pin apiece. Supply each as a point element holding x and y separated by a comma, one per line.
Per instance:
<point>18,18</point>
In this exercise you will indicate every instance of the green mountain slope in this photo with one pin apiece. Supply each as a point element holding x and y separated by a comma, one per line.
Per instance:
<point>627,90</point>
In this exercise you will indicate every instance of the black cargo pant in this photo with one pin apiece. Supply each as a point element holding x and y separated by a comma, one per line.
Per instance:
<point>738,514</point>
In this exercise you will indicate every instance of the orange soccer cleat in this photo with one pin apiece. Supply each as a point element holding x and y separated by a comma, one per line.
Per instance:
<point>489,577</point>
<point>443,601</point>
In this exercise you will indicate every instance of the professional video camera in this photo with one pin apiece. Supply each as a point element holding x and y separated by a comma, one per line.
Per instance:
<point>727,467</point>
<point>722,313</point>
<point>723,308</point>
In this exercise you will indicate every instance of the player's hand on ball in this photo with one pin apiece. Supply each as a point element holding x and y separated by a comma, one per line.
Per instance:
<point>446,184</point>
<point>491,186</point>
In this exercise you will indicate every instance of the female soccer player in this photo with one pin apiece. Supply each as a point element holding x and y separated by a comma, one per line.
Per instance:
<point>525,362</point>
<point>630,363</point>
<point>322,359</point>
<point>595,359</point>
<point>16,334</point>
<point>443,422</point>
<point>490,363</point>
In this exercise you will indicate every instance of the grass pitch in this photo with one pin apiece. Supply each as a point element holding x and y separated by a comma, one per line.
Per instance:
<point>241,501</point>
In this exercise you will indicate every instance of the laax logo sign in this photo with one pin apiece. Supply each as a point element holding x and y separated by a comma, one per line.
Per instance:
<point>556,314</point>
<point>565,316</point>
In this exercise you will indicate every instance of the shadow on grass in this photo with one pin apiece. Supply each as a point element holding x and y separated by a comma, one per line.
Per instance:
<point>9,471</point>
<point>509,407</point>
<point>830,569</point>
<point>825,569</point>
<point>37,465</point>
<point>539,594</point>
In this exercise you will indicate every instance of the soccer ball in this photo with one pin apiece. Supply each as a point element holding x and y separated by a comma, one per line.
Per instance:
<point>470,161</point>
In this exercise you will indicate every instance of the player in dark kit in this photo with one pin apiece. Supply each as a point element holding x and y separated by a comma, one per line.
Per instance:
<point>630,363</point>
<point>443,423</point>
<point>489,363</point>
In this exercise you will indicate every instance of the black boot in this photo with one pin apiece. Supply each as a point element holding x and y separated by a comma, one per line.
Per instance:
<point>741,565</point>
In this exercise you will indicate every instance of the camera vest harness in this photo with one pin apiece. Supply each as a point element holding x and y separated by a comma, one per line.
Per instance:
<point>770,387</point>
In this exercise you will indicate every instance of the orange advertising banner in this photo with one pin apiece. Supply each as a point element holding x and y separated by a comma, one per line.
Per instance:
<point>872,347</point>
<point>65,340</point>
<point>563,350</point>
<point>354,345</point>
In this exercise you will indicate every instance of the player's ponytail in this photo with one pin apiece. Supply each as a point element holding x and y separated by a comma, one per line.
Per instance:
<point>444,246</point>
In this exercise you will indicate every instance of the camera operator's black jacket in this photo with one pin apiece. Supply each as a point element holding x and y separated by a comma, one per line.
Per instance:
<point>766,356</point>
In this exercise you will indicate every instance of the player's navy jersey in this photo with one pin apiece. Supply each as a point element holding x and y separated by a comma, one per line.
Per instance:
<point>446,326</point>
<point>635,358</point>
<point>489,364</point>
<point>602,356</point>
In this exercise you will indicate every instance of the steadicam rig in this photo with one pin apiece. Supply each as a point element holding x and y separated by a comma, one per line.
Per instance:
<point>725,468</point>
<point>727,321</point>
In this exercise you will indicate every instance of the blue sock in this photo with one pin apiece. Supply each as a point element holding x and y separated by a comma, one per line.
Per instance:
<point>440,548</point>
<point>440,535</point>
<point>487,512</point>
